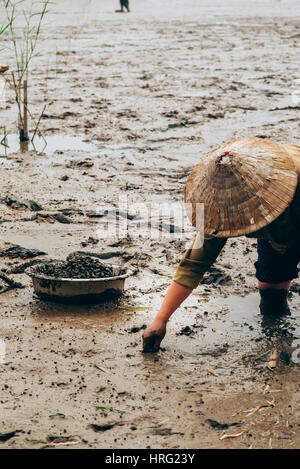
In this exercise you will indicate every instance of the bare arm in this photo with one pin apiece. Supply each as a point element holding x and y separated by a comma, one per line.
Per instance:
<point>193,265</point>
<point>155,333</point>
<point>175,295</point>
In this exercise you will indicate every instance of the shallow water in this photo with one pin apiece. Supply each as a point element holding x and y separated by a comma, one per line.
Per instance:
<point>240,317</point>
<point>51,144</point>
<point>236,322</point>
<point>60,148</point>
<point>233,323</point>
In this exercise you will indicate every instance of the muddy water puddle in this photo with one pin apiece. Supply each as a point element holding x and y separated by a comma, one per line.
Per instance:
<point>228,330</point>
<point>61,148</point>
<point>49,145</point>
<point>220,331</point>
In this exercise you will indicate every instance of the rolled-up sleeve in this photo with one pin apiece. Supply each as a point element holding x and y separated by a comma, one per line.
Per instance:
<point>197,260</point>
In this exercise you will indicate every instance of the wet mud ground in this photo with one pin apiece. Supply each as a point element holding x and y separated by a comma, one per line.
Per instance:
<point>134,100</point>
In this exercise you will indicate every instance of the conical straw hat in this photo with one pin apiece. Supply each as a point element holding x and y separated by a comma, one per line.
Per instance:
<point>244,185</point>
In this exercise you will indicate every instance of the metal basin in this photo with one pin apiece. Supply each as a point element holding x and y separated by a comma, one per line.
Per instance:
<point>70,290</point>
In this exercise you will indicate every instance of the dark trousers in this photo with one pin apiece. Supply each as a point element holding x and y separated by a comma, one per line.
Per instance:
<point>124,3</point>
<point>273,267</point>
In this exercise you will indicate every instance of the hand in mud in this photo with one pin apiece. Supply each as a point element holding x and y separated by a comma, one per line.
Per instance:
<point>153,336</point>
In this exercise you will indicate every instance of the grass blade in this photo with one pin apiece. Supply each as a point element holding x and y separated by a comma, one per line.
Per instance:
<point>112,409</point>
<point>102,369</point>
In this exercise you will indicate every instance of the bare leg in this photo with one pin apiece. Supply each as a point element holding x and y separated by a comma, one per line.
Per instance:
<point>274,286</point>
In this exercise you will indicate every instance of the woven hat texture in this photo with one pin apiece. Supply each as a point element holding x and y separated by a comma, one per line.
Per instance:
<point>244,185</point>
